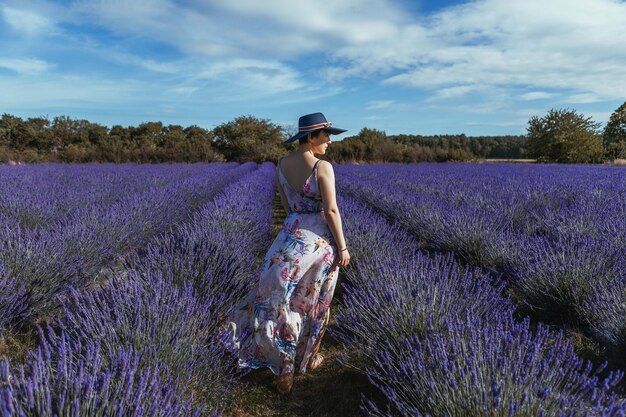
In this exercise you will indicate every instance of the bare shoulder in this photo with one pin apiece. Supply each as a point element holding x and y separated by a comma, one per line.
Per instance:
<point>325,168</point>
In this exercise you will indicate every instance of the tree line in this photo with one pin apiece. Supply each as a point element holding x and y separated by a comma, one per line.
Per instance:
<point>561,136</point>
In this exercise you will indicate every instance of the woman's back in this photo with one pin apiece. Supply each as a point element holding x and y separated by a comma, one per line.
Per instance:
<point>305,197</point>
<point>296,170</point>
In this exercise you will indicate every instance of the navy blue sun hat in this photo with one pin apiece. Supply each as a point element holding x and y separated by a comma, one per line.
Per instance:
<point>312,122</point>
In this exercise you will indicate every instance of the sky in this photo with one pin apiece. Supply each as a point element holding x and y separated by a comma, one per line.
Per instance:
<point>403,67</point>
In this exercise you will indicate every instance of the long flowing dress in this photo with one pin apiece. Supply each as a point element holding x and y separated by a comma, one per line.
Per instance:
<point>280,324</point>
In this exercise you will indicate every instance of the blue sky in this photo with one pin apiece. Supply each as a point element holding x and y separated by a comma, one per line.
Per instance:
<point>415,67</point>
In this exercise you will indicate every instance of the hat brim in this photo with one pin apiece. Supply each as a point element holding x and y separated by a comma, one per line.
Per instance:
<point>332,130</point>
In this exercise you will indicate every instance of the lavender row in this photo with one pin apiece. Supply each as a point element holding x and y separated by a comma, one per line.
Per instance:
<point>41,195</point>
<point>557,233</point>
<point>45,261</point>
<point>499,368</point>
<point>452,207</point>
<point>170,299</point>
<point>213,250</point>
<point>440,339</point>
<point>69,378</point>
<point>89,375</point>
<point>389,274</point>
<point>13,297</point>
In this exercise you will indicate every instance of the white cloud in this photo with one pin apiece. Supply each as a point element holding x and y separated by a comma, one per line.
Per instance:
<point>256,75</point>
<point>27,22</point>
<point>486,107</point>
<point>25,65</point>
<point>453,92</point>
<point>379,104</point>
<point>272,29</point>
<point>168,109</point>
<point>538,44</point>
<point>183,90</point>
<point>347,21</point>
<point>583,98</point>
<point>174,67</point>
<point>599,116</point>
<point>54,91</point>
<point>544,44</point>
<point>536,95</point>
<point>482,56</point>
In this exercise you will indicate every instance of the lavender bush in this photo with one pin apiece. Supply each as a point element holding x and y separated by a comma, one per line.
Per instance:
<point>605,311</point>
<point>56,380</point>
<point>41,195</point>
<point>555,232</point>
<point>373,234</point>
<point>561,274</point>
<point>441,340</point>
<point>216,251</point>
<point>438,338</point>
<point>76,248</point>
<point>393,290</point>
<point>12,300</point>
<point>490,367</point>
<point>171,298</point>
<point>171,326</point>
<point>395,297</point>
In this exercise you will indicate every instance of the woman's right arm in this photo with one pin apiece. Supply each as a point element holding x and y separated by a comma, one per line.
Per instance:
<point>326,181</point>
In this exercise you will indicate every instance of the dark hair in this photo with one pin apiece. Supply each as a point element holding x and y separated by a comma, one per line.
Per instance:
<point>314,134</point>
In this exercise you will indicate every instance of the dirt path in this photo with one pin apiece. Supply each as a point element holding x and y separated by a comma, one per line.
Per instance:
<point>330,390</point>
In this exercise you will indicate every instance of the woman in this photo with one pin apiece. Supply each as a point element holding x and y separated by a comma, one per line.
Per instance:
<point>280,325</point>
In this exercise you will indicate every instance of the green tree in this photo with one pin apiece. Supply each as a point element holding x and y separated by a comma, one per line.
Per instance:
<point>96,133</point>
<point>13,132</point>
<point>564,136</point>
<point>249,139</point>
<point>173,143</point>
<point>66,131</point>
<point>198,146</point>
<point>40,139</point>
<point>149,132</point>
<point>116,146</point>
<point>614,134</point>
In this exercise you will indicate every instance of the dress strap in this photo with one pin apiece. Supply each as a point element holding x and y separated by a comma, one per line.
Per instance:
<point>278,166</point>
<point>315,166</point>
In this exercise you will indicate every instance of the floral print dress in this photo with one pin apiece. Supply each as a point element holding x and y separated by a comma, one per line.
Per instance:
<point>280,324</point>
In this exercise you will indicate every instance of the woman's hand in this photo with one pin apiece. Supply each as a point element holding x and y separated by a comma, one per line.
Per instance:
<point>341,260</point>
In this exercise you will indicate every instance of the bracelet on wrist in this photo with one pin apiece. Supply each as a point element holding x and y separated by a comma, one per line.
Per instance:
<point>346,248</point>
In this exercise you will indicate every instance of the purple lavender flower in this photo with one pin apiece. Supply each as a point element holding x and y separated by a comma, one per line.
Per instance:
<point>555,233</point>
<point>604,310</point>
<point>393,290</point>
<point>12,300</point>
<point>66,377</point>
<point>169,325</point>
<point>170,299</point>
<point>77,247</point>
<point>490,366</point>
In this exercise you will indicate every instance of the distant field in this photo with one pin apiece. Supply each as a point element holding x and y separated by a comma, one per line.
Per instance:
<point>521,161</point>
<point>474,289</point>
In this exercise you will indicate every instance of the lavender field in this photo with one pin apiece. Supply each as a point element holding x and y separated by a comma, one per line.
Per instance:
<point>466,284</point>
